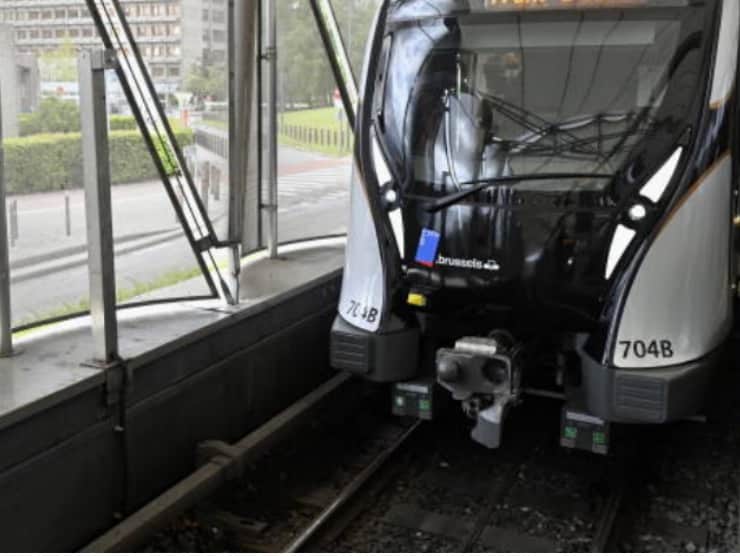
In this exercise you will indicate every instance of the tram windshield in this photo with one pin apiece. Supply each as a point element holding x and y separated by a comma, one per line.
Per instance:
<point>469,92</point>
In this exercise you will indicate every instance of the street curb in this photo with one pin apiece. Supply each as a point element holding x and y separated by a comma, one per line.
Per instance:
<point>82,260</point>
<point>34,260</point>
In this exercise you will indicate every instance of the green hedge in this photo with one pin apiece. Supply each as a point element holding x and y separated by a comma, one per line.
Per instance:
<point>121,123</point>
<point>54,161</point>
<point>29,124</point>
<point>63,116</point>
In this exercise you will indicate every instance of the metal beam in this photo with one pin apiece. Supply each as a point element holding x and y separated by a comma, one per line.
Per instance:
<point>269,167</point>
<point>6,321</point>
<point>243,143</point>
<point>98,205</point>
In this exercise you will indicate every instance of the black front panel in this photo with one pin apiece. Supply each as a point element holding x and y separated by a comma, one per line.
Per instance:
<point>518,140</point>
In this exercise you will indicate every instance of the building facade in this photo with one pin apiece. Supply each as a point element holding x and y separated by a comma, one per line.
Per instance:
<point>173,35</point>
<point>20,86</point>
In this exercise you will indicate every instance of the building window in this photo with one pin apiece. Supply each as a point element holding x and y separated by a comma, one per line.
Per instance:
<point>20,35</point>
<point>60,33</point>
<point>34,34</point>
<point>60,14</point>
<point>46,14</point>
<point>33,15</point>
<point>73,33</point>
<point>173,71</point>
<point>73,13</point>
<point>46,34</point>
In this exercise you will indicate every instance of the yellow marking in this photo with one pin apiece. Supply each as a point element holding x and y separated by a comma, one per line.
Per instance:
<point>417,299</point>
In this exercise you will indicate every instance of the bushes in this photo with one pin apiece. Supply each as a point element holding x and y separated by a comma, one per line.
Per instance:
<point>50,162</point>
<point>53,115</point>
<point>63,116</point>
<point>122,123</point>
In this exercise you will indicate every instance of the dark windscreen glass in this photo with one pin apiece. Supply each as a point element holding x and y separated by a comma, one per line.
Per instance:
<point>477,96</point>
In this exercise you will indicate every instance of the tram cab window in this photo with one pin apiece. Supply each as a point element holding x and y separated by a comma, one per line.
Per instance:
<point>483,95</point>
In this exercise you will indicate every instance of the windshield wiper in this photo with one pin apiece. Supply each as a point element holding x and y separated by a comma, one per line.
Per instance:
<point>449,200</point>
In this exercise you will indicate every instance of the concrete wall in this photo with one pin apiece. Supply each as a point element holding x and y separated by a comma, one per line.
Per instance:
<point>65,471</point>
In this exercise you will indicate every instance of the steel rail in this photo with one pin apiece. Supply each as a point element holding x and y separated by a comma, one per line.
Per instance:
<point>605,529</point>
<point>350,491</point>
<point>226,463</point>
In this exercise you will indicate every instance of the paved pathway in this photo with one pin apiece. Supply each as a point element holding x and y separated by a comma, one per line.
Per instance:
<point>313,196</point>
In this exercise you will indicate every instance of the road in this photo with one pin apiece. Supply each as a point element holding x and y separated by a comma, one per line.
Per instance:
<point>49,270</point>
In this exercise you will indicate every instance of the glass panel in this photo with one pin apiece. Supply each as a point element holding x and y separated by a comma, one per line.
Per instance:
<point>43,163</point>
<point>154,260</point>
<point>355,18</point>
<point>185,50</point>
<point>315,142</point>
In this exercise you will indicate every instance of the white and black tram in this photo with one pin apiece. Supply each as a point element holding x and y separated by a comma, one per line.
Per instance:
<point>543,199</point>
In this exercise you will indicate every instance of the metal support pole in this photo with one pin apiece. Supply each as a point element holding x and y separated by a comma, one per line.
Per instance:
<point>270,55</point>
<point>98,204</point>
<point>6,321</point>
<point>67,216</point>
<point>13,222</point>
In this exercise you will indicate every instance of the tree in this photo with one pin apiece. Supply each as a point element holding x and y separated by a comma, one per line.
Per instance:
<point>304,73</point>
<point>59,64</point>
<point>53,115</point>
<point>207,81</point>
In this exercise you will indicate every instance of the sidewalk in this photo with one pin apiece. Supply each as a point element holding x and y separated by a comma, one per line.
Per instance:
<point>140,211</point>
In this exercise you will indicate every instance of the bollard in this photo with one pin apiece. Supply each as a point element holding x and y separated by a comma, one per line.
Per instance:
<point>204,195</point>
<point>13,222</point>
<point>67,216</point>
<point>217,185</point>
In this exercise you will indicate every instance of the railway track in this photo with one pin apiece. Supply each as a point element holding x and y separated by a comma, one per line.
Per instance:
<point>357,480</point>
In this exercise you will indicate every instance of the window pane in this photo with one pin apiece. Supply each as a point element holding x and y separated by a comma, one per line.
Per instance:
<point>315,142</point>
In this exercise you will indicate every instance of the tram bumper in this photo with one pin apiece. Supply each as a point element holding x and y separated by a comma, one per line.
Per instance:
<point>386,357</point>
<point>656,395</point>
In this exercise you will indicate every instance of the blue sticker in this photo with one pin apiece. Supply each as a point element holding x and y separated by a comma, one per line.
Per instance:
<point>426,253</point>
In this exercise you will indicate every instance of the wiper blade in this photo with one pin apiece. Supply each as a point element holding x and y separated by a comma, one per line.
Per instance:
<point>454,198</point>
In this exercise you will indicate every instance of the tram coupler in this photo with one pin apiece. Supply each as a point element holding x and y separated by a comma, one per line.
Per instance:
<point>484,374</point>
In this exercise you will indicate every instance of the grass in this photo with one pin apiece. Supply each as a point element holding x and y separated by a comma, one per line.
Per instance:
<point>314,118</point>
<point>123,295</point>
<point>218,124</point>
<point>320,118</point>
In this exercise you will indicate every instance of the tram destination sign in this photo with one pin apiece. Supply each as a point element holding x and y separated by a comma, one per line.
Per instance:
<point>519,5</point>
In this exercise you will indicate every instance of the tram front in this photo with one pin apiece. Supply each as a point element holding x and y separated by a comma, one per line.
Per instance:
<point>543,197</point>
